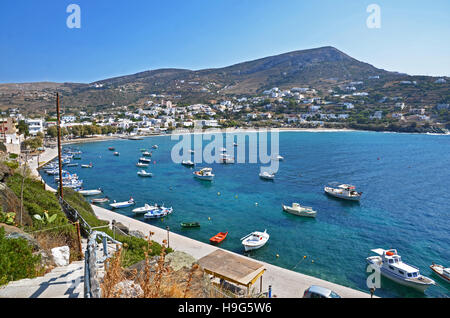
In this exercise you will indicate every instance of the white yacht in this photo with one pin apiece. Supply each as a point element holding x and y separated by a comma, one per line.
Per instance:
<point>204,174</point>
<point>297,209</point>
<point>118,205</point>
<point>390,264</point>
<point>255,240</point>
<point>344,191</point>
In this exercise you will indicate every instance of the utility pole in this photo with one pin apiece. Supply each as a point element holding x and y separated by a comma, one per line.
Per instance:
<point>61,194</point>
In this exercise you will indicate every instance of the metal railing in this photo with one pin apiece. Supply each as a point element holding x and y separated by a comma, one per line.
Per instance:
<point>91,281</point>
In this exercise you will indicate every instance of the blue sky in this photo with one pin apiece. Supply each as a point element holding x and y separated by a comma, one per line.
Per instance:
<point>125,37</point>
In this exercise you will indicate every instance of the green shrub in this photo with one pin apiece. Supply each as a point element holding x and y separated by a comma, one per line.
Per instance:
<point>16,259</point>
<point>12,164</point>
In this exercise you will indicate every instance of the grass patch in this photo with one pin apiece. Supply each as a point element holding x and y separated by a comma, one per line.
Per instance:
<point>16,259</point>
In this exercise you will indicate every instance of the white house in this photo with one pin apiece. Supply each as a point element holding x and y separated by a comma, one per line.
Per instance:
<point>35,126</point>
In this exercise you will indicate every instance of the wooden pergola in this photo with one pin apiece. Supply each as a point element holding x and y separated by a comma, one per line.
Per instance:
<point>233,268</point>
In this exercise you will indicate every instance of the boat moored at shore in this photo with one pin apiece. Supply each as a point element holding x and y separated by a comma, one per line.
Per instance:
<point>255,240</point>
<point>390,264</point>
<point>124,204</point>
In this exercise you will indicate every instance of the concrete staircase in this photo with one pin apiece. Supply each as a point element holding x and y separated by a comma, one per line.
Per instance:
<point>61,282</point>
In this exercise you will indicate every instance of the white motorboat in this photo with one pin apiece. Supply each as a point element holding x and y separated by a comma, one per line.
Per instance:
<point>204,174</point>
<point>277,157</point>
<point>125,204</point>
<point>146,208</point>
<point>142,159</point>
<point>87,166</point>
<point>266,175</point>
<point>144,173</point>
<point>147,154</point>
<point>141,164</point>
<point>441,271</point>
<point>390,265</point>
<point>155,146</point>
<point>297,209</point>
<point>226,159</point>
<point>89,192</point>
<point>188,163</point>
<point>116,153</point>
<point>158,213</point>
<point>255,240</point>
<point>344,191</point>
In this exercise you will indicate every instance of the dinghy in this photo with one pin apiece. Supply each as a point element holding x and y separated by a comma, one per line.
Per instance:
<point>145,160</point>
<point>116,154</point>
<point>141,164</point>
<point>190,224</point>
<point>87,166</point>
<point>100,200</point>
<point>255,240</point>
<point>218,238</point>
<point>147,154</point>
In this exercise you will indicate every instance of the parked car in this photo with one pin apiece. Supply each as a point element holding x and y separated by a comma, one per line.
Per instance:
<point>319,292</point>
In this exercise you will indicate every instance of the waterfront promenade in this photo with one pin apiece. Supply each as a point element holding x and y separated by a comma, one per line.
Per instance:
<point>285,283</point>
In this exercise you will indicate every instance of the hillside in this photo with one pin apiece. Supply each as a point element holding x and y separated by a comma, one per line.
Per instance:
<point>322,68</point>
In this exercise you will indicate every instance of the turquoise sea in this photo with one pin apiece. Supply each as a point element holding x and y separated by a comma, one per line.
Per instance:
<point>405,205</point>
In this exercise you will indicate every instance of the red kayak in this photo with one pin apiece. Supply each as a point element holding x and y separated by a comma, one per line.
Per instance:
<point>219,237</point>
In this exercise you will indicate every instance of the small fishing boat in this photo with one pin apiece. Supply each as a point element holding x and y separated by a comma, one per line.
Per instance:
<point>390,264</point>
<point>267,176</point>
<point>344,191</point>
<point>297,209</point>
<point>125,204</point>
<point>255,240</point>
<point>147,154</point>
<point>188,163</point>
<point>190,224</point>
<point>226,159</point>
<point>87,166</point>
<point>146,208</point>
<point>219,237</point>
<point>111,148</point>
<point>72,165</point>
<point>141,164</point>
<point>155,146</point>
<point>116,153</point>
<point>204,174</point>
<point>142,159</point>
<point>89,192</point>
<point>158,213</point>
<point>144,173</point>
<point>278,157</point>
<point>100,200</point>
<point>441,271</point>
